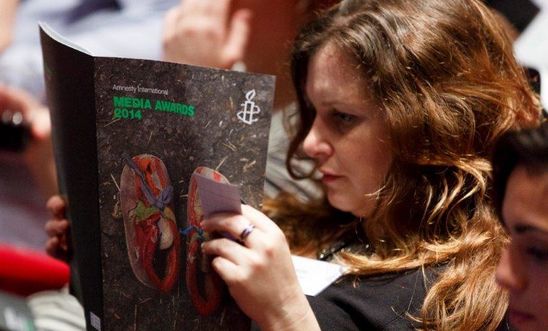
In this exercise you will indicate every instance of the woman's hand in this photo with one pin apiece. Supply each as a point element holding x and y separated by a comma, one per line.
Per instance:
<point>206,33</point>
<point>57,229</point>
<point>259,271</point>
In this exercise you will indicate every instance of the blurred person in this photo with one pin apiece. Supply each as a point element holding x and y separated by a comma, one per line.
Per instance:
<point>520,167</point>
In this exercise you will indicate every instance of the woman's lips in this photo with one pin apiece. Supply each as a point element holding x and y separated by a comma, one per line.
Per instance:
<point>329,178</point>
<point>518,317</point>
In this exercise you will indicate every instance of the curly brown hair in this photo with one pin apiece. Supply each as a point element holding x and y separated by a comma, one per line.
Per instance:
<point>446,79</point>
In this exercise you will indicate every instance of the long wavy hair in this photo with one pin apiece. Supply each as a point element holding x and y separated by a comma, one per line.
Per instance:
<point>444,75</point>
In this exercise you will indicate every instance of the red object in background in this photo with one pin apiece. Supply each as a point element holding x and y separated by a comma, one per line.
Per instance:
<point>24,271</point>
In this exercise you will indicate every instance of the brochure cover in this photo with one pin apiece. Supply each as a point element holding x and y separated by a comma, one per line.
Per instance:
<point>128,135</point>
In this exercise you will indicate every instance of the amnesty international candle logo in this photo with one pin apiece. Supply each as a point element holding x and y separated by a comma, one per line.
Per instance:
<point>250,109</point>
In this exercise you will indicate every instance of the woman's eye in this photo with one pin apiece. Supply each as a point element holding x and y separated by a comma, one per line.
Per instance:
<point>344,118</point>
<point>540,255</point>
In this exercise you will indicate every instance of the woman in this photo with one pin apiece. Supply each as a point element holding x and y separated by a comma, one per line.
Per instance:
<point>400,103</point>
<point>520,169</point>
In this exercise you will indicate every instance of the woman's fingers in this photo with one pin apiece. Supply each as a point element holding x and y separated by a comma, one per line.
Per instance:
<point>235,263</point>
<point>234,226</point>
<point>227,270</point>
<point>261,268</point>
<point>56,206</point>
<point>56,244</point>
<point>56,227</point>
<point>228,249</point>
<point>265,224</point>
<point>259,231</point>
<point>52,245</point>
<point>57,247</point>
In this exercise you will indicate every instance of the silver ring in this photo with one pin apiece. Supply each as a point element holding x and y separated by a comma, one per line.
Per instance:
<point>246,232</point>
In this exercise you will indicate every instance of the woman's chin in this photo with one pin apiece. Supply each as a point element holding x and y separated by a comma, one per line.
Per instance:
<point>356,208</point>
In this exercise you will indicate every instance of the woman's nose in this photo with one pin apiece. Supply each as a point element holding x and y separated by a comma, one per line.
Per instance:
<point>510,272</point>
<point>316,144</point>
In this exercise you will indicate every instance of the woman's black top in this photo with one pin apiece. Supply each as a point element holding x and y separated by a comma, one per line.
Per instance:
<point>385,302</point>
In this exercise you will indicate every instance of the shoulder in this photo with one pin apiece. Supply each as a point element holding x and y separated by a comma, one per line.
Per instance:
<point>381,302</point>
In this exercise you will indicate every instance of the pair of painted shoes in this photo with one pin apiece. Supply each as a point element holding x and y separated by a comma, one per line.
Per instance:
<point>152,236</point>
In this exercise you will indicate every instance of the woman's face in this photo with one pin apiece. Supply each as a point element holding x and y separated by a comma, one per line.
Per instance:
<point>348,139</point>
<point>523,268</point>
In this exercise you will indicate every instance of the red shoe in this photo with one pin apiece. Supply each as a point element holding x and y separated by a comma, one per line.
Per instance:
<point>205,287</point>
<point>149,222</point>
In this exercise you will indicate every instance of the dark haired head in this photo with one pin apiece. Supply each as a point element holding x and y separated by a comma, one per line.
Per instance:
<point>527,148</point>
